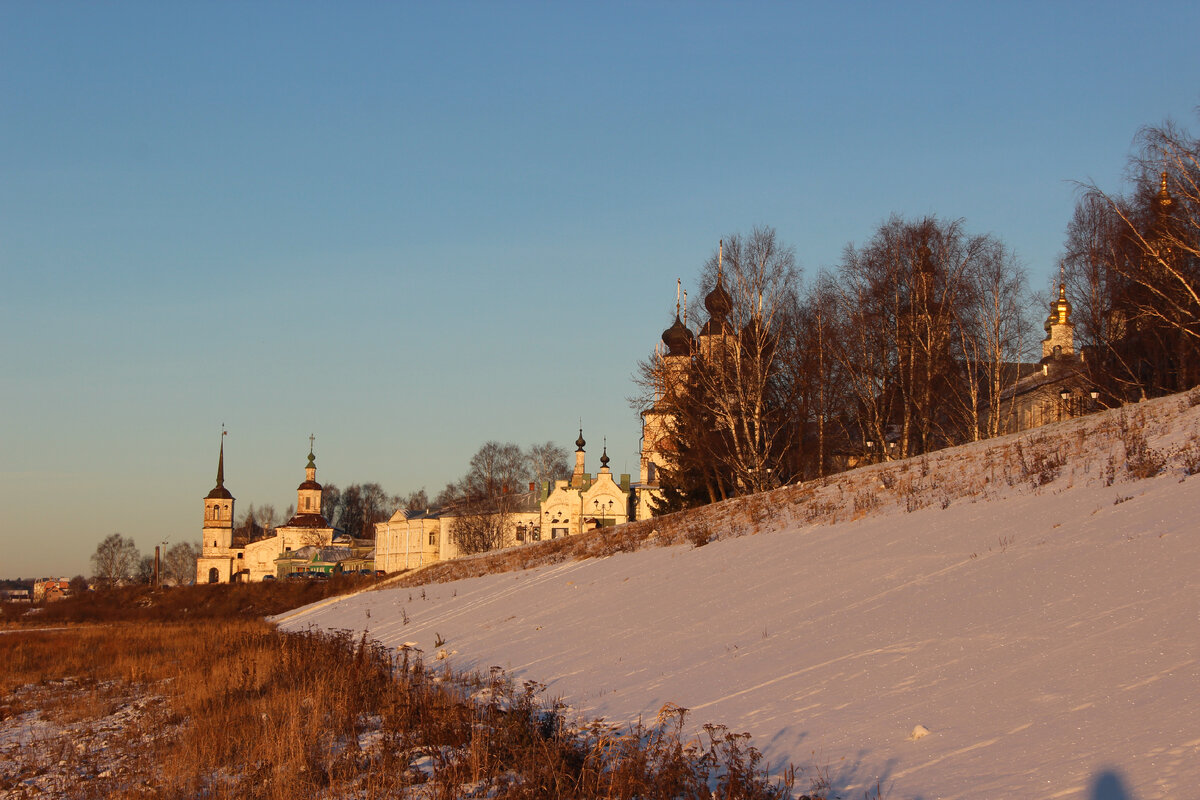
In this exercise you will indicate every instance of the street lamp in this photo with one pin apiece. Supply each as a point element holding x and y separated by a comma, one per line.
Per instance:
<point>601,509</point>
<point>1064,409</point>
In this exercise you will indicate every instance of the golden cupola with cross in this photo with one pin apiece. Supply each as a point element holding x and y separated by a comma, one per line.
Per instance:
<point>1060,331</point>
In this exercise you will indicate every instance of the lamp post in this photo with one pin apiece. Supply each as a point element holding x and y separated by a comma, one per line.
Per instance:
<point>602,509</point>
<point>1095,395</point>
<point>870,447</point>
<point>1063,410</point>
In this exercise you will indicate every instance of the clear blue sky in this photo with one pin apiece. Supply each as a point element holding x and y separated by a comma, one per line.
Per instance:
<point>409,228</point>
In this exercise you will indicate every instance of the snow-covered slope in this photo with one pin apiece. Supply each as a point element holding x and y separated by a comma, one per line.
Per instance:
<point>1047,637</point>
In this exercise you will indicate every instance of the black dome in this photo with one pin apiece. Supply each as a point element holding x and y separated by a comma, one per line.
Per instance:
<point>678,339</point>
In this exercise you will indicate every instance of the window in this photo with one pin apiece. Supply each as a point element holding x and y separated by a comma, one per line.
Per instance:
<point>432,537</point>
<point>307,500</point>
<point>520,533</point>
<point>239,555</point>
<point>557,532</point>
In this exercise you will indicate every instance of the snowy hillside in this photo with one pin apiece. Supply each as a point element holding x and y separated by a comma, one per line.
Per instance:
<point>1028,601</point>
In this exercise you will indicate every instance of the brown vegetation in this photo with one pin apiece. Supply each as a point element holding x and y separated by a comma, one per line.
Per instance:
<point>182,603</point>
<point>225,709</point>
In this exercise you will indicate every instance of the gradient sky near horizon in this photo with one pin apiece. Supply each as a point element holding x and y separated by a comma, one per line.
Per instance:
<point>409,228</point>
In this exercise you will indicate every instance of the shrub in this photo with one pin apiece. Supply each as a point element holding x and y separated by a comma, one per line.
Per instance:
<point>1141,460</point>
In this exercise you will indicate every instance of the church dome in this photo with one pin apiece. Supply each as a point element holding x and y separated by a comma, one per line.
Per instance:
<point>1060,312</point>
<point>718,302</point>
<point>677,338</point>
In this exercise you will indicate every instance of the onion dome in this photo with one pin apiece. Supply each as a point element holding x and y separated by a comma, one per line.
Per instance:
<point>579,443</point>
<point>310,472</point>
<point>1061,310</point>
<point>719,304</point>
<point>677,338</point>
<point>604,457</point>
<point>1163,200</point>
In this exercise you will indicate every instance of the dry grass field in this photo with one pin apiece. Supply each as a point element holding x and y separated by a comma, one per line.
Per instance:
<point>231,708</point>
<point>185,603</point>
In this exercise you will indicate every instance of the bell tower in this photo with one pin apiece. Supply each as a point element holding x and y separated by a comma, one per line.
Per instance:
<point>1060,331</point>
<point>308,493</point>
<point>218,512</point>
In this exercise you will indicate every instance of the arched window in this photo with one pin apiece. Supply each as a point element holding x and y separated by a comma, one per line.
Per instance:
<point>214,575</point>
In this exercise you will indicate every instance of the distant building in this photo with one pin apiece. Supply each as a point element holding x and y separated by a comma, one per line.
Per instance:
<point>1057,387</point>
<point>16,595</point>
<point>326,560</point>
<point>51,589</point>
<point>224,559</point>
<point>567,507</point>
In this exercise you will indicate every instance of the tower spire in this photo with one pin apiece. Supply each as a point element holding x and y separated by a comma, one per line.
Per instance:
<point>577,473</point>
<point>221,461</point>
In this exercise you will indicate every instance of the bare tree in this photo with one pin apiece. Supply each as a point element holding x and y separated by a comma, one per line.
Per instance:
<point>819,387</point>
<point>487,496</point>
<point>144,571</point>
<point>414,501</point>
<point>331,499</point>
<point>266,519</point>
<point>179,563</point>
<point>1133,263</point>
<point>479,528</point>
<point>928,322</point>
<point>362,506</point>
<point>115,560</point>
<point>993,334</point>
<point>547,462</point>
<point>737,383</point>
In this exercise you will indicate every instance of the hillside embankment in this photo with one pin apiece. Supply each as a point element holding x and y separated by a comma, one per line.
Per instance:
<point>1014,617</point>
